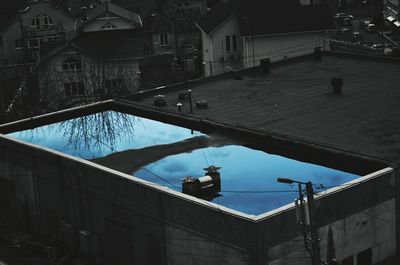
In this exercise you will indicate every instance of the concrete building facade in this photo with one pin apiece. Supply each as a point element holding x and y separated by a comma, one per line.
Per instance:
<point>114,218</point>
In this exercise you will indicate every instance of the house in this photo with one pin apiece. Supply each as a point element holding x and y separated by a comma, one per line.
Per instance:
<point>37,26</point>
<point>101,61</point>
<point>111,217</point>
<point>171,28</point>
<point>238,34</point>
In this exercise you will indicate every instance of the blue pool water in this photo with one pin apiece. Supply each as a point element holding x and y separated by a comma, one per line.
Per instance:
<point>103,133</point>
<point>248,176</point>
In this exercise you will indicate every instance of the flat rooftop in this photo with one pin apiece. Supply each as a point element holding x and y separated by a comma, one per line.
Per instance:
<point>296,100</point>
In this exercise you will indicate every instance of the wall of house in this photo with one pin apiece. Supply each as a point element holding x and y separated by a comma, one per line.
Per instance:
<point>93,74</point>
<point>216,59</point>
<point>98,23</point>
<point>8,51</point>
<point>117,218</point>
<point>279,47</point>
<point>62,24</point>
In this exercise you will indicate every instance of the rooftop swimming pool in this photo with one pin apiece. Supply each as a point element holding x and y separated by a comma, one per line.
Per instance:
<point>248,176</point>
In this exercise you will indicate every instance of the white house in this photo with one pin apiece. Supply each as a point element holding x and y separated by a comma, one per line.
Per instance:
<point>239,33</point>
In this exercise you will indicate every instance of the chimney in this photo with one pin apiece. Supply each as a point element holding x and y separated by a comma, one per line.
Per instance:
<point>337,84</point>
<point>317,53</point>
<point>265,65</point>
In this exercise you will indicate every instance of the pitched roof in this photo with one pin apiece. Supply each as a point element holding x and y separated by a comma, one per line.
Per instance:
<point>263,17</point>
<point>217,15</point>
<point>109,7</point>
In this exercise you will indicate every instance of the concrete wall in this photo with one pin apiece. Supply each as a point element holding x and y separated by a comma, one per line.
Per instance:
<point>279,47</point>
<point>118,219</point>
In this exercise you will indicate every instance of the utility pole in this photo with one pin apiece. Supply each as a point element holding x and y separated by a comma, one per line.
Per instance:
<point>314,231</point>
<point>312,225</point>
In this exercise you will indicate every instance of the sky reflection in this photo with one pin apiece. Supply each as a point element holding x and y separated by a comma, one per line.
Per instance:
<point>130,132</point>
<point>248,176</point>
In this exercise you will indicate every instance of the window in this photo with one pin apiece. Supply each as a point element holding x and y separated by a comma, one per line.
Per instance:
<point>228,43</point>
<point>52,38</point>
<point>34,43</point>
<point>71,64</point>
<point>41,21</point>
<point>74,88</point>
<point>108,26</point>
<point>36,22</point>
<point>164,39</point>
<point>47,21</point>
<point>234,43</point>
<point>19,44</point>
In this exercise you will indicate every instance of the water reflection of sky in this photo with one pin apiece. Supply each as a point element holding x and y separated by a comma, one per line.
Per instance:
<point>248,176</point>
<point>131,132</point>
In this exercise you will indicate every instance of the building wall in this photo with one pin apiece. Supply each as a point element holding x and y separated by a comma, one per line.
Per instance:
<point>250,50</point>
<point>98,23</point>
<point>215,57</point>
<point>278,47</point>
<point>117,218</point>
<point>93,74</point>
<point>63,25</point>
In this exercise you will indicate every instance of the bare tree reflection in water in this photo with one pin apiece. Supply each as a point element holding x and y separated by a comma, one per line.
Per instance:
<point>104,129</point>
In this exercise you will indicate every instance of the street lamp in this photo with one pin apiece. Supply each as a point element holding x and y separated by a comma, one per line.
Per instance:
<point>315,255</point>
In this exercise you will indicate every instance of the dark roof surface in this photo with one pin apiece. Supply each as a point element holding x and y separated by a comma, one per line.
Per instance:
<point>218,14</point>
<point>296,101</point>
<point>262,17</point>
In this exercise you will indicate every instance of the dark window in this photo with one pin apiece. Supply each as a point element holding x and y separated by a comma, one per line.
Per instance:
<point>19,44</point>
<point>164,38</point>
<point>234,42</point>
<point>108,26</point>
<point>71,64</point>
<point>74,89</point>
<point>348,261</point>
<point>228,42</point>
<point>365,257</point>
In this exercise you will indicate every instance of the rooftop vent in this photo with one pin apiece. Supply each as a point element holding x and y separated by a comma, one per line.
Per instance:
<point>202,104</point>
<point>337,84</point>
<point>317,53</point>
<point>208,184</point>
<point>160,100</point>
<point>265,65</point>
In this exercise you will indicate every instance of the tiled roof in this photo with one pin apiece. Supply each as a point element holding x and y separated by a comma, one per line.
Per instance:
<point>262,17</point>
